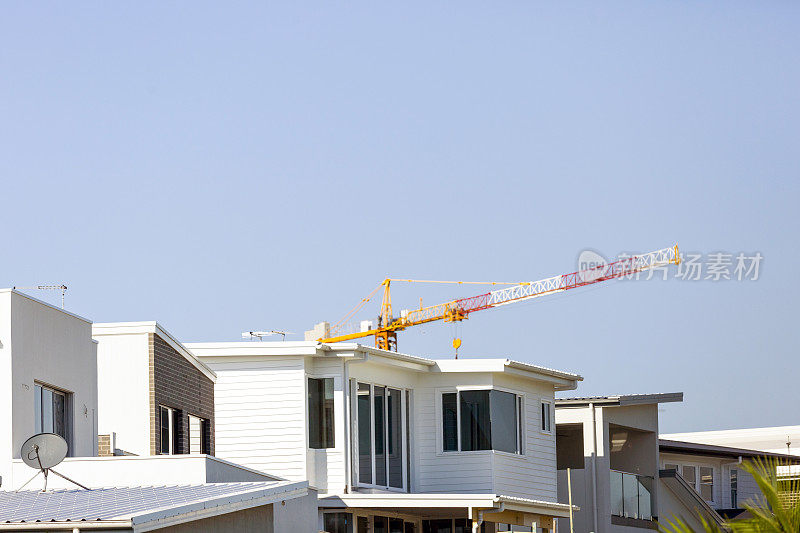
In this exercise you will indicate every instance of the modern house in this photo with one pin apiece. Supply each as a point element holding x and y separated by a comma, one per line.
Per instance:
<point>393,442</point>
<point>715,472</point>
<point>155,397</point>
<point>48,378</point>
<point>608,455</point>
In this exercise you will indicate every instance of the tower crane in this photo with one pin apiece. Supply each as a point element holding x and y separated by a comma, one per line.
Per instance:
<point>457,310</point>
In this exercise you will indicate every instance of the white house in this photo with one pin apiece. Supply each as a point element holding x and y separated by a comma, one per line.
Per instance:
<point>48,377</point>
<point>393,442</point>
<point>155,397</point>
<point>608,446</point>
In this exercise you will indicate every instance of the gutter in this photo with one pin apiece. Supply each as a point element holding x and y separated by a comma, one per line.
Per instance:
<point>74,526</point>
<point>477,524</point>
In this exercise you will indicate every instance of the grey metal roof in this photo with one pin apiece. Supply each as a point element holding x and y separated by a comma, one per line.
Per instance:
<point>122,503</point>
<point>621,399</point>
<point>677,446</point>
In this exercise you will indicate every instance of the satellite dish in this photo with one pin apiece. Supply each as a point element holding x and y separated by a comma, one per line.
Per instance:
<point>43,452</point>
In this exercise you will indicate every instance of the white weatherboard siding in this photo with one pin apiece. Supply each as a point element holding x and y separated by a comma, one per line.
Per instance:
<point>260,413</point>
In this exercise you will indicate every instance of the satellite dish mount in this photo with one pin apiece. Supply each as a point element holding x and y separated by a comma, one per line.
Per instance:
<point>43,452</point>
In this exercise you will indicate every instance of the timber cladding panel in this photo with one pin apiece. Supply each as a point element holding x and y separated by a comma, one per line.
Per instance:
<point>178,384</point>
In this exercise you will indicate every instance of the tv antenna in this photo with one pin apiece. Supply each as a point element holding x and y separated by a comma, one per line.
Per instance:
<point>252,335</point>
<point>62,288</point>
<point>43,452</point>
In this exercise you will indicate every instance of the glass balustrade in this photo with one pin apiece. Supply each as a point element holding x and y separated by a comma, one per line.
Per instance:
<point>631,495</point>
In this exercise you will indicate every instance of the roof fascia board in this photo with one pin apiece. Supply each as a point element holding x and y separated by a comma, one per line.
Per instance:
<point>250,349</point>
<point>138,328</point>
<point>42,302</point>
<point>559,383</point>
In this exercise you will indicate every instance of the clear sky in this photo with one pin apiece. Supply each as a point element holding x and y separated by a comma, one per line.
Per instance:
<point>235,166</point>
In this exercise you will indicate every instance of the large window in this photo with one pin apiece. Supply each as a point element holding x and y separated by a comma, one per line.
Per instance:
<point>168,424</point>
<point>707,483</point>
<point>699,477</point>
<point>474,420</point>
<point>320,413</point>
<point>50,408</point>
<point>381,435</point>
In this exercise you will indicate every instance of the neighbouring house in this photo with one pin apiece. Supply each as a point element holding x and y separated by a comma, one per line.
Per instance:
<point>608,446</point>
<point>715,472</point>
<point>155,397</point>
<point>394,442</point>
<point>48,378</point>
<point>778,439</point>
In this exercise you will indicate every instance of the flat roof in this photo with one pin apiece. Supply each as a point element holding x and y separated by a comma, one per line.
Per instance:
<point>137,507</point>
<point>621,399</point>
<point>318,349</point>
<point>694,448</point>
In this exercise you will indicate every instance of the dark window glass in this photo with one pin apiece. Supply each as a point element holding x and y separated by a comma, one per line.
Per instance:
<point>380,436</point>
<point>364,434</point>
<point>58,414</point>
<point>707,483</point>
<point>363,525</point>
<point>444,525</point>
<point>734,488</point>
<point>462,525</point>
<point>475,425</point>
<point>165,431</point>
<point>380,524</point>
<point>320,413</point>
<point>37,407</point>
<point>177,432</point>
<point>503,406</point>
<point>205,437</point>
<point>449,422</point>
<point>395,525</point>
<point>546,414</point>
<point>338,522</point>
<point>409,527</point>
<point>395,438</point>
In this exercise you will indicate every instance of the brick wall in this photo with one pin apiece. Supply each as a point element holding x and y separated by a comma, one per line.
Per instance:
<point>104,446</point>
<point>178,384</point>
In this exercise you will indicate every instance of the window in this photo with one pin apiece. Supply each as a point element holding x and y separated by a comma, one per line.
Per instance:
<point>198,435</point>
<point>674,467</point>
<point>707,483</point>
<point>734,488</point>
<point>474,420</point>
<point>338,523</point>
<point>50,408</point>
<point>382,436</point>
<point>320,413</point>
<point>167,423</point>
<point>547,417</point>
<point>689,473</point>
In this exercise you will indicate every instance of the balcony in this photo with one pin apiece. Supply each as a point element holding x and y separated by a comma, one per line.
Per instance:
<point>631,495</point>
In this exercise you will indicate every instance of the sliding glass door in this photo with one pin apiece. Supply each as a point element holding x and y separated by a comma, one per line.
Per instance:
<point>381,436</point>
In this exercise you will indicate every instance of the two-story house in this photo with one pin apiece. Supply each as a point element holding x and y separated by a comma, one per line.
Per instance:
<point>155,397</point>
<point>393,442</point>
<point>48,378</point>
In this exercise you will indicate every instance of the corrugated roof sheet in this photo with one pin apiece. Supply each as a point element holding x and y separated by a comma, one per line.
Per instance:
<point>114,503</point>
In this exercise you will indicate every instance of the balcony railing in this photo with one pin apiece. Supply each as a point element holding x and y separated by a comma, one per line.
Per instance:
<point>631,495</point>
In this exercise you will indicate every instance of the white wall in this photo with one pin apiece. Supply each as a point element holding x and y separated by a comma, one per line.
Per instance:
<point>260,416</point>
<point>123,389</point>
<point>47,345</point>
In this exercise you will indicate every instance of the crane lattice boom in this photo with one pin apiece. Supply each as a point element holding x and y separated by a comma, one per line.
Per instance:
<point>460,309</point>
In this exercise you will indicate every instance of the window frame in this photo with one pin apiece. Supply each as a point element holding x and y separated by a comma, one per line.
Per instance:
<point>204,441</point>
<point>67,418</point>
<point>696,484</point>
<point>405,397</point>
<point>333,379</point>
<point>551,413</point>
<point>173,442</point>
<point>521,423</point>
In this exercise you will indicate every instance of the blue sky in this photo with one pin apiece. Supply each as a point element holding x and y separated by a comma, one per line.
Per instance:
<point>229,167</point>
